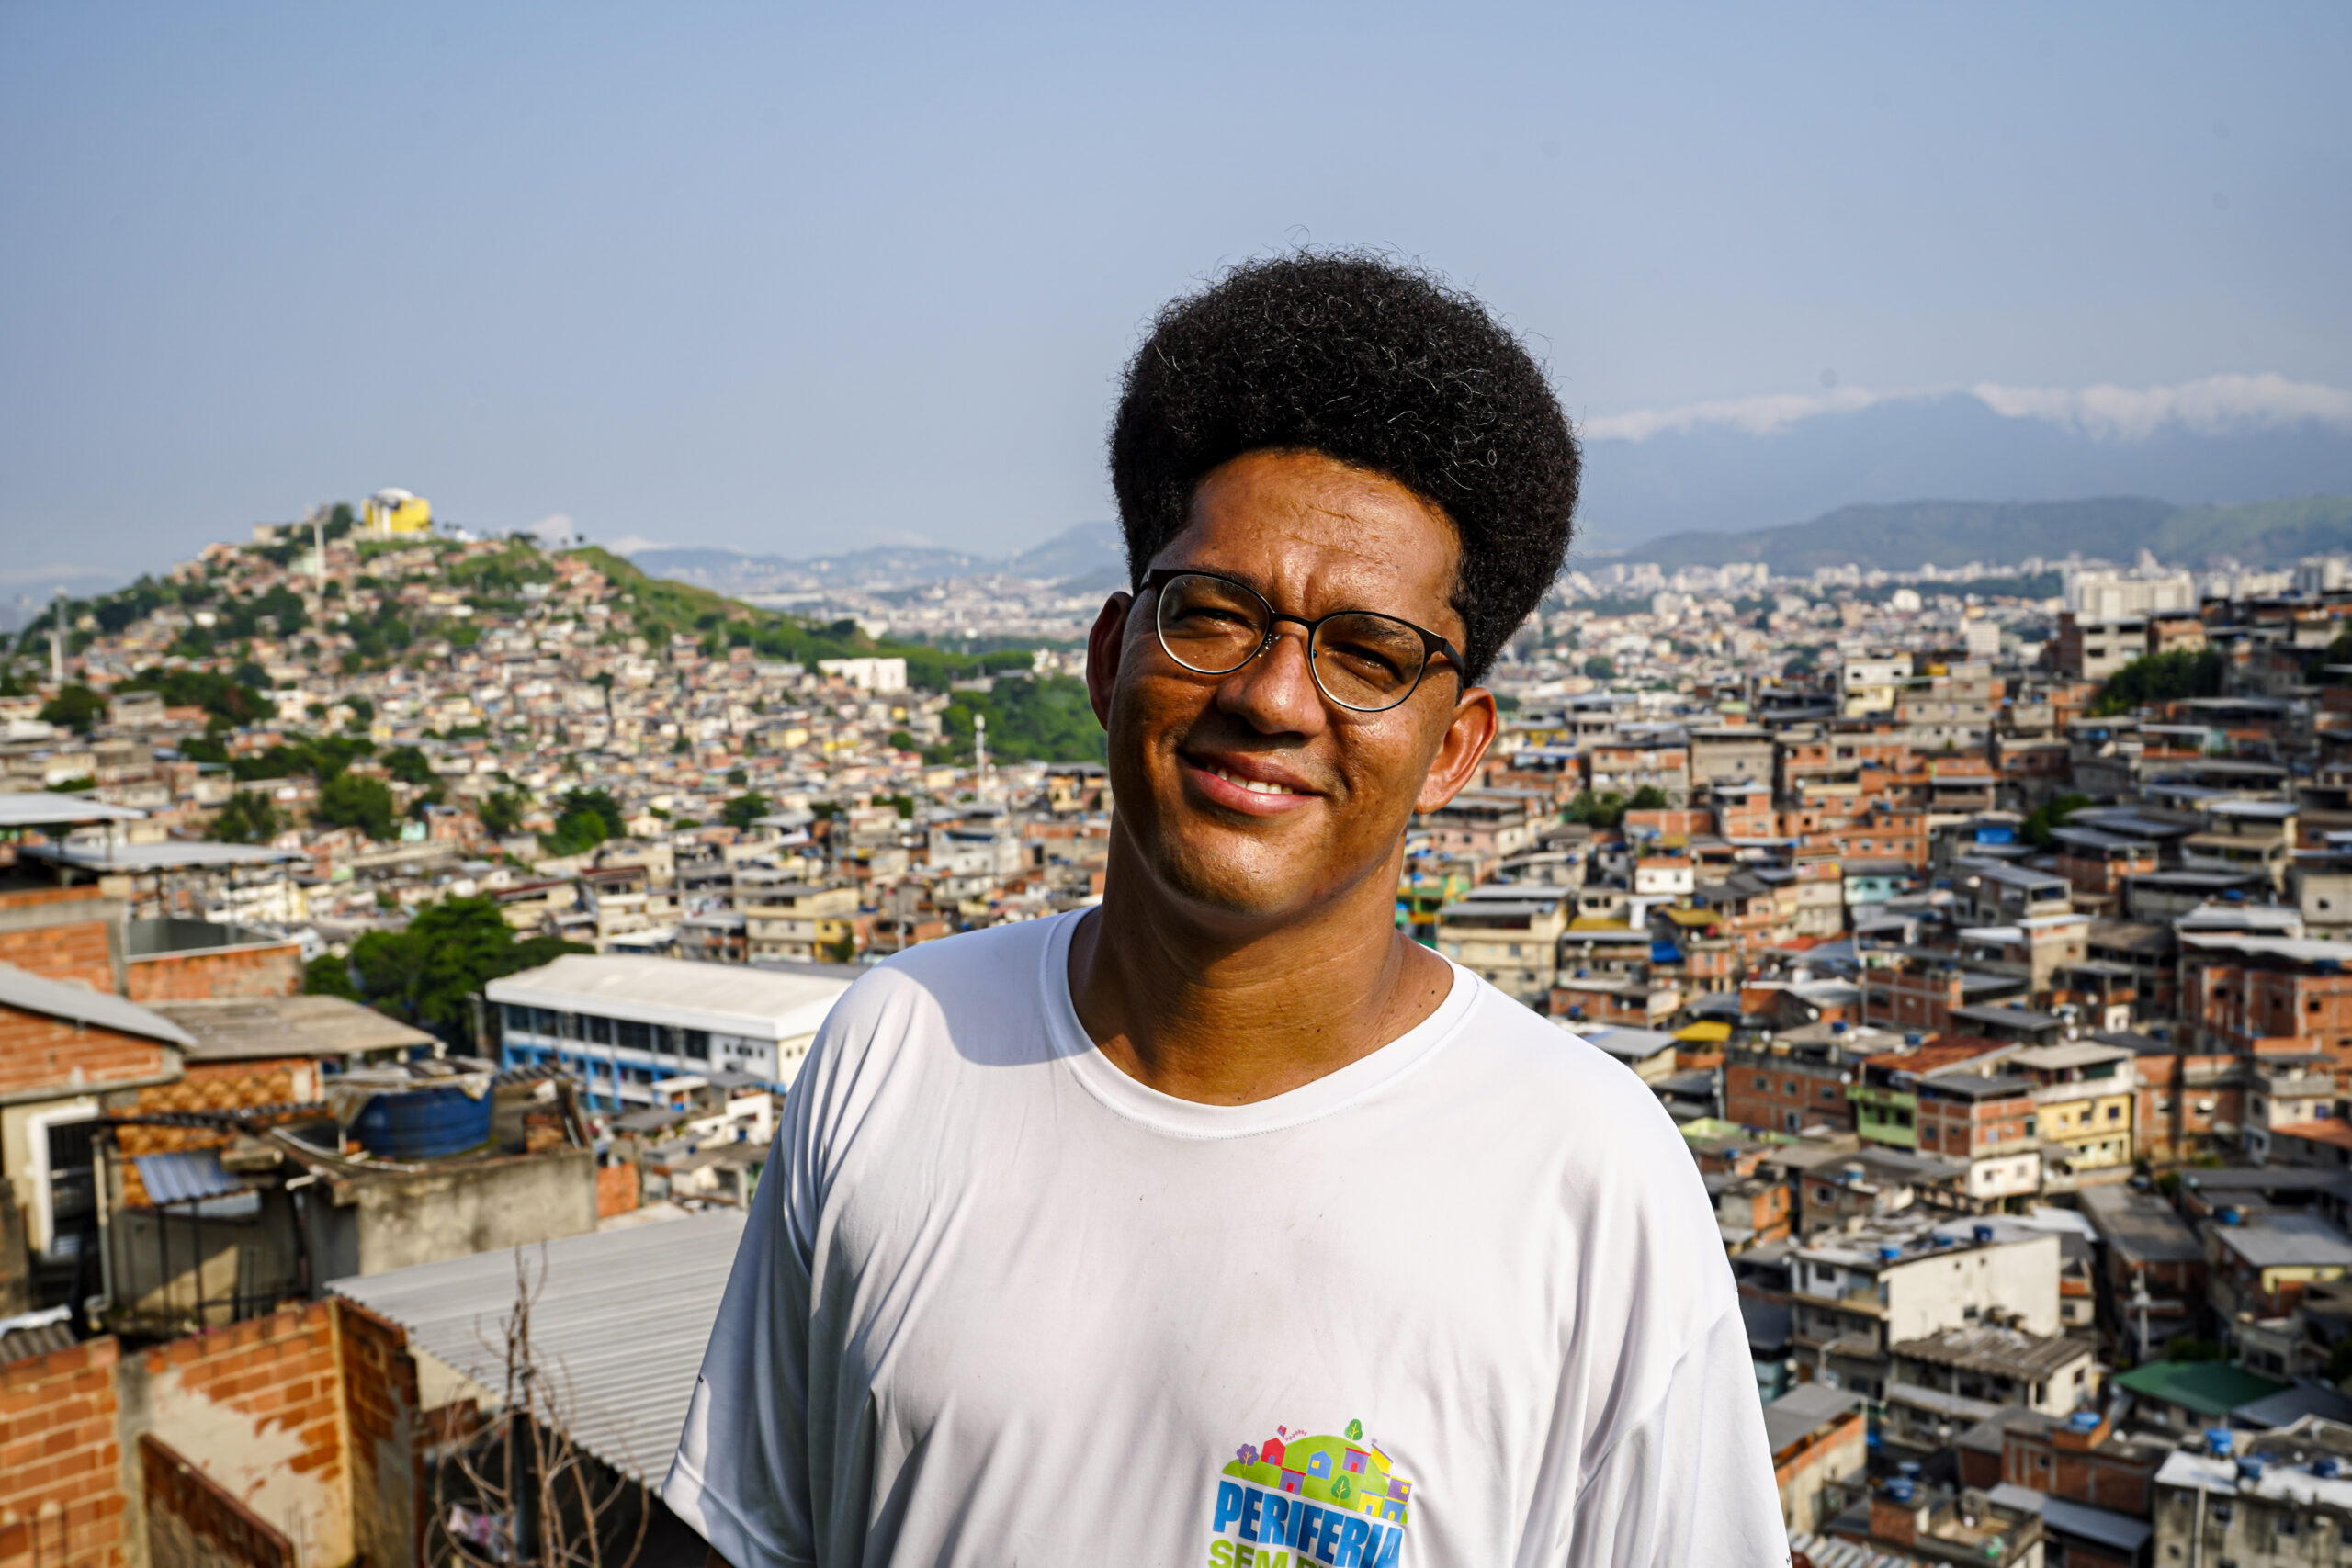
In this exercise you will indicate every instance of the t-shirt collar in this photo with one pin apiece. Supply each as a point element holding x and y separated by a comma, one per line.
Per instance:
<point>1366,1076</point>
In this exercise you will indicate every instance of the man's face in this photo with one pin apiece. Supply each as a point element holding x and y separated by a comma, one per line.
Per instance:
<point>1313,535</point>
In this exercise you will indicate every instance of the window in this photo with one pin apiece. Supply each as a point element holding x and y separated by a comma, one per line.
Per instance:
<point>2115,1113</point>
<point>518,1019</point>
<point>73,1184</point>
<point>695,1042</point>
<point>597,1030</point>
<point>633,1035</point>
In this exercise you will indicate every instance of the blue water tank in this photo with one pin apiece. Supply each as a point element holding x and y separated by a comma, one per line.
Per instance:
<point>422,1124</point>
<point>2084,1420</point>
<point>1982,1233</point>
<point>2250,1467</point>
<point>1900,1490</point>
<point>2327,1467</point>
<point>2230,1215</point>
<point>2217,1440</point>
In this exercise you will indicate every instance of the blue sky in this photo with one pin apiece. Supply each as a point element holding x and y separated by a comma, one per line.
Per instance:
<point>787,279</point>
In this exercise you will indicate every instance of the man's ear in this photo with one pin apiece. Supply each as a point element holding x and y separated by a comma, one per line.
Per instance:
<point>1475,726</point>
<point>1103,646</point>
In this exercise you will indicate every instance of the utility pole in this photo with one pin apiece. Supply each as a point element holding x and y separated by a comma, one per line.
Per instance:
<point>981,746</point>
<point>57,637</point>
<point>319,539</point>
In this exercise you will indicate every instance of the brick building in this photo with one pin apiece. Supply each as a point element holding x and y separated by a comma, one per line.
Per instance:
<point>2255,994</point>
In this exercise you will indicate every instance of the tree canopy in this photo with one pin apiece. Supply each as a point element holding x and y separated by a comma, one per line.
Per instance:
<point>2160,678</point>
<point>426,973</point>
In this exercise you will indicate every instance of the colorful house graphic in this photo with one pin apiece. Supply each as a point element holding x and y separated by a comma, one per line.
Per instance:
<point>1343,1472</point>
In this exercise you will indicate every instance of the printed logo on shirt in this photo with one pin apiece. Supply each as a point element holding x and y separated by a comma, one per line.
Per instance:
<point>1296,1500</point>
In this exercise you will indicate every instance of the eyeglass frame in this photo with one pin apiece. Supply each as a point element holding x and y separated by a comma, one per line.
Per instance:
<point>1431,644</point>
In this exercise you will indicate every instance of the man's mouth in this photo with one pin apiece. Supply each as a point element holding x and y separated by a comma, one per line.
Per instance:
<point>1252,785</point>
<point>1241,784</point>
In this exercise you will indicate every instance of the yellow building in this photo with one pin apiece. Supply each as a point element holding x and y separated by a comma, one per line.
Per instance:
<point>2083,1098</point>
<point>389,513</point>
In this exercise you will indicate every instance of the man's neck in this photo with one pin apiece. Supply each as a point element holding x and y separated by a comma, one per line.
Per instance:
<point>1222,1018</point>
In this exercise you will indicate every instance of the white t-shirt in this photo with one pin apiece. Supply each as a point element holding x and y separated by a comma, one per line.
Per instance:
<point>1461,1303</point>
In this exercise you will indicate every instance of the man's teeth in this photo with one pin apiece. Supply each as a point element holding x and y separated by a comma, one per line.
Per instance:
<point>1252,785</point>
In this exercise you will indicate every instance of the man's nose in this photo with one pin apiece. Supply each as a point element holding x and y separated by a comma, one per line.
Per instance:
<point>1276,691</point>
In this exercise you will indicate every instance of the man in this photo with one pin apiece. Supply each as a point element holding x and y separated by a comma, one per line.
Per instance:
<point>1222,1224</point>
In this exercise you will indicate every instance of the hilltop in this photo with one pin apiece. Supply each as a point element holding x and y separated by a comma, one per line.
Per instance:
<point>1907,534</point>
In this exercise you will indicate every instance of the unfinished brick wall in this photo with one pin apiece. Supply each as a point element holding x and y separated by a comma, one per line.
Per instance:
<point>192,1522</point>
<point>61,1493</point>
<point>618,1190</point>
<point>387,1493</point>
<point>61,932</point>
<point>259,1405</point>
<point>204,975</point>
<point>38,1052</point>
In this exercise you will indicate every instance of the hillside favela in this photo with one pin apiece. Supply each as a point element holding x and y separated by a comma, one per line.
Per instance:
<point>400,923</point>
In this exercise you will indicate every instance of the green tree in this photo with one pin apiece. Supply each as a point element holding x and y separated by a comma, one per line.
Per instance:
<point>2035,829</point>
<point>75,706</point>
<point>1649,797</point>
<point>247,818</point>
<point>1044,720</point>
<point>2160,678</point>
<point>222,696</point>
<point>329,975</point>
<point>586,818</point>
<point>350,800</point>
<point>409,765</point>
<point>426,973</point>
<point>1603,811</point>
<point>502,812</point>
<point>744,809</point>
<point>1600,667</point>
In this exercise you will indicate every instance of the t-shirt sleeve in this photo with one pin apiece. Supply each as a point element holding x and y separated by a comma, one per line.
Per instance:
<point>1692,1480</point>
<point>740,1477</point>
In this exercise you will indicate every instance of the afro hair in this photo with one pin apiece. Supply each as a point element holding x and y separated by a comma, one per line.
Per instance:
<point>1376,364</point>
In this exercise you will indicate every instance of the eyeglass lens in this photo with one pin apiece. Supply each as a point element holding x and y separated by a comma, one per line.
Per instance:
<point>1361,661</point>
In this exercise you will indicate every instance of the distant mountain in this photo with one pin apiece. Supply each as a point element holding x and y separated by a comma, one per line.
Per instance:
<point>1075,552</point>
<point>1907,534</point>
<point>1718,476</point>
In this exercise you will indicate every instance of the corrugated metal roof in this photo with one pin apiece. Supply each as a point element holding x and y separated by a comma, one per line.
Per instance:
<point>36,1334</point>
<point>45,808</point>
<point>623,1314</point>
<point>186,1178</point>
<point>79,1004</point>
<point>730,999</point>
<point>172,854</point>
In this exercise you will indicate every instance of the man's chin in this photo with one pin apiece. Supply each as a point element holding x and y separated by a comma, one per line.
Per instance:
<point>1246,894</point>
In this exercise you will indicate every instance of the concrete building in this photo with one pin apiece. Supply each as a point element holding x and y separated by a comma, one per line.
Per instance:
<point>2083,1096</point>
<point>1819,1442</point>
<point>2260,1500</point>
<point>1508,934</point>
<point>626,1025</point>
<point>1857,1295</point>
<point>390,514</point>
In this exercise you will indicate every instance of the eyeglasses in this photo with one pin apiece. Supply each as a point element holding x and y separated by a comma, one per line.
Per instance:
<point>1363,662</point>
